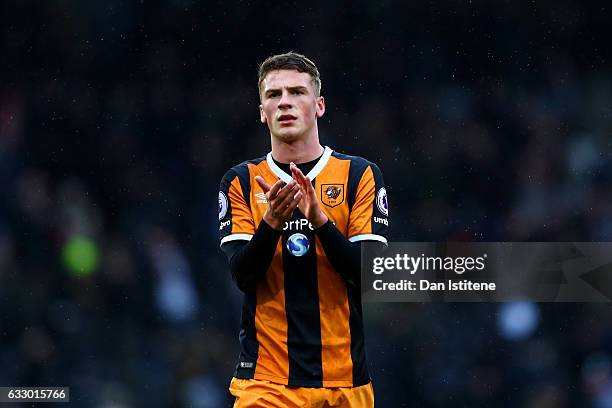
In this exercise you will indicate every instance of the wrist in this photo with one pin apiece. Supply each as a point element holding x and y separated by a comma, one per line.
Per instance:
<point>274,223</point>
<point>320,220</point>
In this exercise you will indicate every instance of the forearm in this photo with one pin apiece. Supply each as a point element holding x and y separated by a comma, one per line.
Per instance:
<point>344,256</point>
<point>250,260</point>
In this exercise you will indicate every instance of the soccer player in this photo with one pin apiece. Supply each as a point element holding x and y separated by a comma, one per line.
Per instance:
<point>291,225</point>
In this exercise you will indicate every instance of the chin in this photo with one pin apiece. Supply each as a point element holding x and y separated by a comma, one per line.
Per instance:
<point>288,135</point>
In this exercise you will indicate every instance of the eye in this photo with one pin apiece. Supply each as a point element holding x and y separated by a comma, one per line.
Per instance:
<point>297,92</point>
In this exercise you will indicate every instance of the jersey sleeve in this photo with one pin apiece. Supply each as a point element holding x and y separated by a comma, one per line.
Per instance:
<point>235,217</point>
<point>369,216</point>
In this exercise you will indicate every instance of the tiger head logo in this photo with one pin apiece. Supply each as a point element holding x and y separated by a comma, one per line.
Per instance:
<point>332,194</point>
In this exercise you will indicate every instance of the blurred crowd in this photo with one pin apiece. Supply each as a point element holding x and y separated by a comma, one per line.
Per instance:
<point>491,121</point>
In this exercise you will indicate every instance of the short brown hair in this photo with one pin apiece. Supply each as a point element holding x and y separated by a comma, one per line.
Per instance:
<point>290,60</point>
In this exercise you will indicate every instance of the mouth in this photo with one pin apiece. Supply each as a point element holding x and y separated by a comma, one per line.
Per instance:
<point>286,119</point>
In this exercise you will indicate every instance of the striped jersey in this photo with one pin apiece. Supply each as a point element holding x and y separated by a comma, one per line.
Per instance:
<point>303,325</point>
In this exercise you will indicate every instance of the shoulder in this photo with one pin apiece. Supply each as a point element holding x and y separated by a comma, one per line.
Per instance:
<point>358,163</point>
<point>241,170</point>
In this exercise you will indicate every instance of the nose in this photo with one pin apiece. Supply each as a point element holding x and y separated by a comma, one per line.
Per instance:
<point>285,101</point>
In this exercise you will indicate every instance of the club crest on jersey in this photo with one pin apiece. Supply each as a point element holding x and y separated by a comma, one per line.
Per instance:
<point>332,194</point>
<point>381,201</point>
<point>298,244</point>
<point>222,205</point>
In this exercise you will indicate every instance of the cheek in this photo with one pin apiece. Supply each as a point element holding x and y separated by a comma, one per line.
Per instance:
<point>267,114</point>
<point>309,110</point>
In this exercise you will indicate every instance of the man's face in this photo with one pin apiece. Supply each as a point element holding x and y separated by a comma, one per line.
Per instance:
<point>289,104</point>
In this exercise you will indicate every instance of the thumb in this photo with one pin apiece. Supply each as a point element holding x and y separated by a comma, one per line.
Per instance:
<point>262,183</point>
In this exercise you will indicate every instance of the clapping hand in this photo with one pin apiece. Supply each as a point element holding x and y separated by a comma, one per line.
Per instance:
<point>309,204</point>
<point>281,201</point>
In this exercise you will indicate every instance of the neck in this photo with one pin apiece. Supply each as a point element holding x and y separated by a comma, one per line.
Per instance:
<point>296,151</point>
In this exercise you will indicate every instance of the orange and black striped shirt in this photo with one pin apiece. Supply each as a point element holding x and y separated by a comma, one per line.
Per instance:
<point>302,325</point>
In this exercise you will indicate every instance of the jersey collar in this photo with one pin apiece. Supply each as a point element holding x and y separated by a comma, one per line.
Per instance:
<point>311,174</point>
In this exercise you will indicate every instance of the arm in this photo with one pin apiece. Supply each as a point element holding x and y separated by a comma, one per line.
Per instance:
<point>250,260</point>
<point>344,256</point>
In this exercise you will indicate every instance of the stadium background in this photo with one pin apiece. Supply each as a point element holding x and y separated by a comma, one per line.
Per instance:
<point>490,120</point>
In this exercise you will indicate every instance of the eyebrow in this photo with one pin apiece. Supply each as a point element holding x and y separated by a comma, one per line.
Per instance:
<point>289,88</point>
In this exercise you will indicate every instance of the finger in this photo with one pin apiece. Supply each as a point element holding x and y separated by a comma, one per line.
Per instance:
<point>275,189</point>
<point>311,193</point>
<point>301,203</point>
<point>297,173</point>
<point>304,181</point>
<point>285,197</point>
<point>309,188</point>
<point>307,185</point>
<point>288,211</point>
<point>262,183</point>
<point>285,209</point>
<point>294,170</point>
<point>285,191</point>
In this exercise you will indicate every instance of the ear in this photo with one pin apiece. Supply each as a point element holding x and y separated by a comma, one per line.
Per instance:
<point>262,115</point>
<point>320,108</point>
